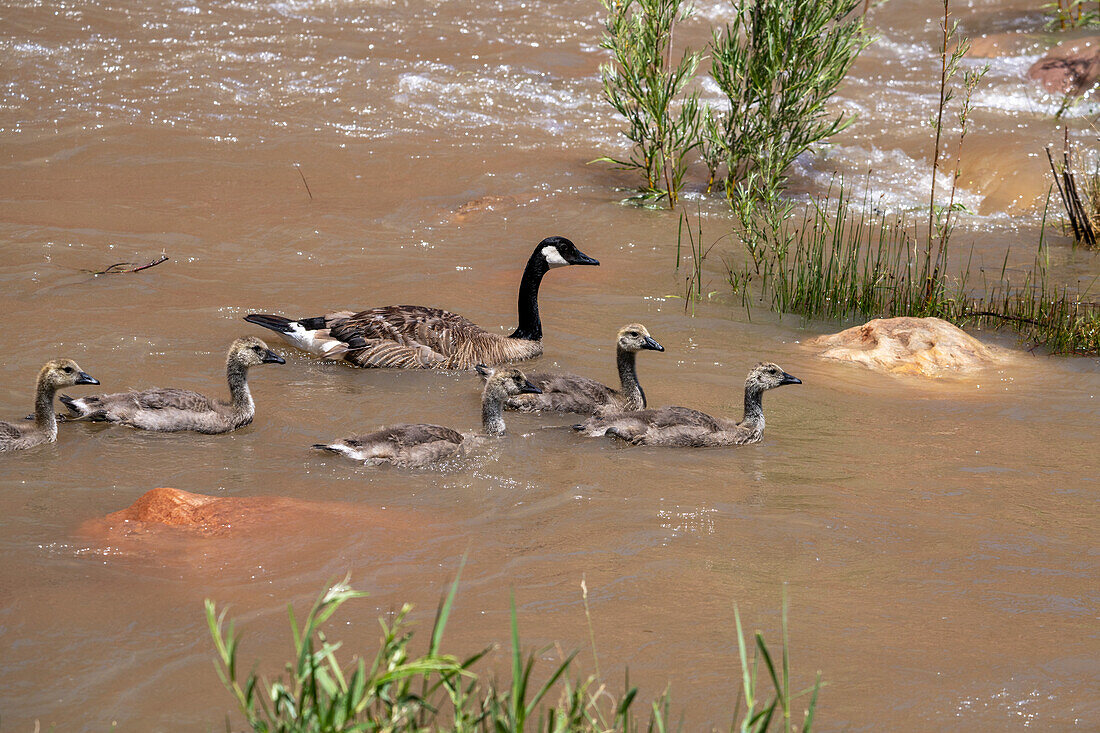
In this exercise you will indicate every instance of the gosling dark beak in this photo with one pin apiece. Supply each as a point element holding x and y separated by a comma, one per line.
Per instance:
<point>580,258</point>
<point>652,345</point>
<point>85,378</point>
<point>790,379</point>
<point>270,357</point>
<point>529,388</point>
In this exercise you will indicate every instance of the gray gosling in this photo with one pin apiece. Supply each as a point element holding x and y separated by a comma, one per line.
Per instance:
<point>413,445</point>
<point>418,337</point>
<point>681,426</point>
<point>173,410</point>
<point>52,377</point>
<point>571,393</point>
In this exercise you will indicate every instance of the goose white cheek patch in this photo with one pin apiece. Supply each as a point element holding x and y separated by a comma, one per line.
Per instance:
<point>553,256</point>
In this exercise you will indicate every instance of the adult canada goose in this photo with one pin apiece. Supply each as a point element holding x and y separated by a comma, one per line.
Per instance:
<point>52,377</point>
<point>685,427</point>
<point>570,393</point>
<point>418,337</point>
<point>418,445</point>
<point>172,410</point>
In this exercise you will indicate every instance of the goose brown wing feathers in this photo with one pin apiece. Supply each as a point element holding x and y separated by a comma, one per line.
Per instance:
<point>433,328</point>
<point>413,337</point>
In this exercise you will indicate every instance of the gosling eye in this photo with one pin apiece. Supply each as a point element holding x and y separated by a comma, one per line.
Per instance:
<point>256,349</point>
<point>68,370</point>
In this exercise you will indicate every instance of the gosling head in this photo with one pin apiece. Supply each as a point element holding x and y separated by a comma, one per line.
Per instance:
<point>766,375</point>
<point>64,373</point>
<point>251,351</point>
<point>634,337</point>
<point>559,252</point>
<point>509,382</point>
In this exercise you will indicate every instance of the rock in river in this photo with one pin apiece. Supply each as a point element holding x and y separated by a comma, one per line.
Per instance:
<point>218,516</point>
<point>928,347</point>
<point>1068,68</point>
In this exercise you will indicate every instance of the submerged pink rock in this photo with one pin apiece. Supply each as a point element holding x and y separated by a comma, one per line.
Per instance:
<point>929,347</point>
<point>1068,68</point>
<point>218,516</point>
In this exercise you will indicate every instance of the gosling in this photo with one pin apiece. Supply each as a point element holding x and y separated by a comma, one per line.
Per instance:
<point>571,393</point>
<point>53,376</point>
<point>415,445</point>
<point>681,426</point>
<point>174,410</point>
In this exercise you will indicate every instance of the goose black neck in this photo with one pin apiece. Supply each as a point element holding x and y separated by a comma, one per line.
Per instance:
<point>44,417</point>
<point>530,327</point>
<point>628,379</point>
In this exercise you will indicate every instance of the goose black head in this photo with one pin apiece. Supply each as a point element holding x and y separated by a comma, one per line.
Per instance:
<point>559,252</point>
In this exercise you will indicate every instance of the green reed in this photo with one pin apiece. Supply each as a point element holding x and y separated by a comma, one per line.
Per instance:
<point>839,266</point>
<point>397,691</point>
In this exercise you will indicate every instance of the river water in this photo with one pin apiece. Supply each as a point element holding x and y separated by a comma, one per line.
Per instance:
<point>937,540</point>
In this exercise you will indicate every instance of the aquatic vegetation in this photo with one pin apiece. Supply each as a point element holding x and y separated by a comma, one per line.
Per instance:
<point>778,63</point>
<point>942,218</point>
<point>838,266</point>
<point>398,691</point>
<point>1079,193</point>
<point>1069,14</point>
<point>645,87</point>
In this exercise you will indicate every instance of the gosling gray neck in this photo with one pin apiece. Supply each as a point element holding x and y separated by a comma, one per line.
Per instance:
<point>754,409</point>
<point>492,412</point>
<point>44,418</point>
<point>629,387</point>
<point>237,374</point>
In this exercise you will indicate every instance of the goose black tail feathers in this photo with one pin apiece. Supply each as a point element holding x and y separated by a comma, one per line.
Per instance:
<point>322,446</point>
<point>278,324</point>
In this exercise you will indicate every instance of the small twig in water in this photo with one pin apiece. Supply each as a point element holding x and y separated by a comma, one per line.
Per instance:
<point>303,175</point>
<point>121,267</point>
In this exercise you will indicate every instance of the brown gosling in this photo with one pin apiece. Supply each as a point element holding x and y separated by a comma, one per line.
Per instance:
<point>681,426</point>
<point>571,393</point>
<point>53,376</point>
<point>413,445</point>
<point>172,410</point>
<point>418,337</point>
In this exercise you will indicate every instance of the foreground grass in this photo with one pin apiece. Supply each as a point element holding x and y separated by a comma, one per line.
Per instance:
<point>396,691</point>
<point>833,266</point>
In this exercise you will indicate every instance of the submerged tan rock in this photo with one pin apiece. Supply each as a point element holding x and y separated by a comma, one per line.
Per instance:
<point>929,347</point>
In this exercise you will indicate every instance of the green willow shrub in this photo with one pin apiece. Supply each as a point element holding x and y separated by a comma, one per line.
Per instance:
<point>778,63</point>
<point>644,86</point>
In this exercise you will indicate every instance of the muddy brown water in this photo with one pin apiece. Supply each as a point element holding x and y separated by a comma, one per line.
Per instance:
<point>938,540</point>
